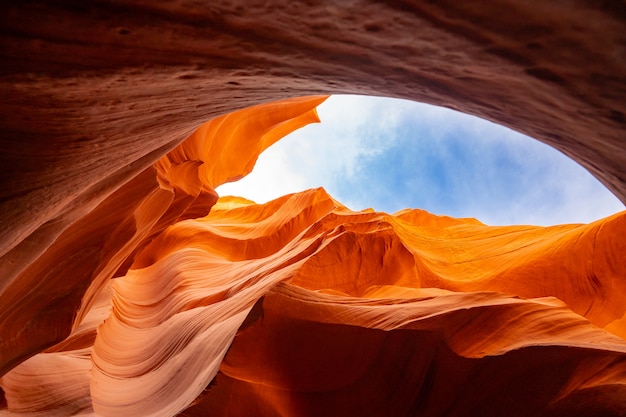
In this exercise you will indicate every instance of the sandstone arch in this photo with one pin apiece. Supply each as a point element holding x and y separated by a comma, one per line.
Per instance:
<point>94,94</point>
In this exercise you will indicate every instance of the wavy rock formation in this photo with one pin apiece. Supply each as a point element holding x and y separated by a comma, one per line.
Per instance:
<point>128,288</point>
<point>303,307</point>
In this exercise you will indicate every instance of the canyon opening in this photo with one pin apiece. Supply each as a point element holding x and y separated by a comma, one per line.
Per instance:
<point>128,287</point>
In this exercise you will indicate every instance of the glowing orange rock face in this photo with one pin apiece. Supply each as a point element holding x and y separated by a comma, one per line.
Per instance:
<point>302,307</point>
<point>45,296</point>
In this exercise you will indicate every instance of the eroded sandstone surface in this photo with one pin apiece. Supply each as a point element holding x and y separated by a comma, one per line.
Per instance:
<point>128,287</point>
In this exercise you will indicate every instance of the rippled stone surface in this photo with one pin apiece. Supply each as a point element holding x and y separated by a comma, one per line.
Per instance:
<point>120,296</point>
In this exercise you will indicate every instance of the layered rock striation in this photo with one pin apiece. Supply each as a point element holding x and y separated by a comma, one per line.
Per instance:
<point>127,287</point>
<point>300,306</point>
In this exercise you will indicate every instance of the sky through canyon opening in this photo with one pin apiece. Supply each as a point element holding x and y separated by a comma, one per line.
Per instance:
<point>390,154</point>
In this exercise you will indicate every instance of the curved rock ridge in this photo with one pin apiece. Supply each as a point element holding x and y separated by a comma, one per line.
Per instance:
<point>48,287</point>
<point>308,354</point>
<point>302,307</point>
<point>299,307</point>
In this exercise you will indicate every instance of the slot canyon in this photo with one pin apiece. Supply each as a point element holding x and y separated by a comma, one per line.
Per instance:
<point>128,287</point>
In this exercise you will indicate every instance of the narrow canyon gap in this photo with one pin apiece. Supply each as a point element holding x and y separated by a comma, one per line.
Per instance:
<point>128,288</point>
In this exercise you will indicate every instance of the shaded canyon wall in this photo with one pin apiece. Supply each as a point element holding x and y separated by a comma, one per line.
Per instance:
<point>96,184</point>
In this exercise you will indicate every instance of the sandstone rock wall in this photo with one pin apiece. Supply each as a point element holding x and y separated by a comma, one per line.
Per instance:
<point>97,98</point>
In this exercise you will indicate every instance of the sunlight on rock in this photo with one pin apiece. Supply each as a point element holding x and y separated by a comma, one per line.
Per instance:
<point>128,287</point>
<point>251,296</point>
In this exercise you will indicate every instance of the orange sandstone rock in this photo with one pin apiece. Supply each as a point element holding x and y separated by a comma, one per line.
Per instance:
<point>42,303</point>
<point>119,295</point>
<point>334,312</point>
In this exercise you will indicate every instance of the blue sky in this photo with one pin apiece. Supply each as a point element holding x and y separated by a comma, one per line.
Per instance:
<point>391,154</point>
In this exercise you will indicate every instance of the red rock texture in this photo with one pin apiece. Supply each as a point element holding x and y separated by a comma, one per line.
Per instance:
<point>302,307</point>
<point>343,313</point>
